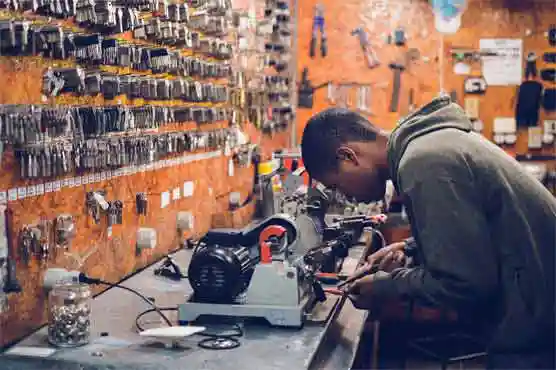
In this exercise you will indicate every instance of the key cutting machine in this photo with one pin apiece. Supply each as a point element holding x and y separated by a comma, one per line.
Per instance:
<point>264,271</point>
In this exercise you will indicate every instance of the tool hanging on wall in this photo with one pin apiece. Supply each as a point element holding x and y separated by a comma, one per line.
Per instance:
<point>548,75</point>
<point>529,97</point>
<point>318,25</point>
<point>399,36</point>
<point>364,99</point>
<point>475,85</point>
<point>531,66</point>
<point>368,51</point>
<point>411,101</point>
<point>549,57</point>
<point>11,284</point>
<point>397,68</point>
<point>552,35</point>
<point>305,94</point>
<point>549,100</point>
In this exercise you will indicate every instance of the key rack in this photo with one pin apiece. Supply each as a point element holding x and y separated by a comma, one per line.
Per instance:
<point>122,102</point>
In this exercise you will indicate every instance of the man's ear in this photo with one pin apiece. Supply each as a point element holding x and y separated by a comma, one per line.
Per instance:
<point>345,153</point>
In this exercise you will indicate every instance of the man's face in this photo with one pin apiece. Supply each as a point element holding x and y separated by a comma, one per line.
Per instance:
<point>357,176</point>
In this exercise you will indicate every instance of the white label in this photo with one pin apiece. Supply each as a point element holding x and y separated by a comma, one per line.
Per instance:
<point>57,185</point>
<point>65,183</point>
<point>231,167</point>
<point>3,196</point>
<point>85,180</point>
<point>31,190</point>
<point>97,177</point>
<point>176,194</point>
<point>108,174</point>
<point>91,178</point>
<point>48,187</point>
<point>188,189</point>
<point>40,189</point>
<point>12,194</point>
<point>164,199</point>
<point>78,181</point>
<point>102,176</point>
<point>71,182</point>
<point>21,192</point>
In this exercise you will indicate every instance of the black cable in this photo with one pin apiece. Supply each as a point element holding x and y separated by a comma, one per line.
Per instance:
<point>211,341</point>
<point>85,279</point>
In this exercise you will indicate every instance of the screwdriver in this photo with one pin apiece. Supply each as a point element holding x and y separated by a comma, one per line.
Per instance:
<point>361,274</point>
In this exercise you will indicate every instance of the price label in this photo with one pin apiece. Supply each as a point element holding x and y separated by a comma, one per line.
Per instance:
<point>78,181</point>
<point>91,178</point>
<point>71,182</point>
<point>12,194</point>
<point>97,177</point>
<point>21,192</point>
<point>3,196</point>
<point>65,183</point>
<point>31,191</point>
<point>57,185</point>
<point>48,187</point>
<point>103,176</point>
<point>40,189</point>
<point>108,175</point>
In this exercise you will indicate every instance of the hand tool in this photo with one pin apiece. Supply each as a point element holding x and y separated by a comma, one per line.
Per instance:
<point>411,105</point>
<point>11,284</point>
<point>364,271</point>
<point>318,24</point>
<point>368,51</point>
<point>330,278</point>
<point>397,68</point>
<point>531,66</point>
<point>331,93</point>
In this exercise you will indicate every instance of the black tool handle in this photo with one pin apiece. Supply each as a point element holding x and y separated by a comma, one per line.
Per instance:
<point>323,46</point>
<point>394,103</point>
<point>313,47</point>
<point>12,285</point>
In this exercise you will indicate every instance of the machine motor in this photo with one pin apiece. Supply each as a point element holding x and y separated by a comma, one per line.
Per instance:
<point>224,260</point>
<point>220,274</point>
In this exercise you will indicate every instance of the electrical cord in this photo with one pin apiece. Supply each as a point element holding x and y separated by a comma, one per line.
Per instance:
<point>85,279</point>
<point>211,341</point>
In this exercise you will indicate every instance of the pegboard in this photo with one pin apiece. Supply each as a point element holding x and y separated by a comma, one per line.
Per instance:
<point>345,62</point>
<point>100,251</point>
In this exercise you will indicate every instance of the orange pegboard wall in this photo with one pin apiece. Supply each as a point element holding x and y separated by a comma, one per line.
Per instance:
<point>112,250</point>
<point>345,61</point>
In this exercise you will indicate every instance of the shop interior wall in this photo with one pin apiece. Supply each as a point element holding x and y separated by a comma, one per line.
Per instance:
<point>112,255</point>
<point>528,20</point>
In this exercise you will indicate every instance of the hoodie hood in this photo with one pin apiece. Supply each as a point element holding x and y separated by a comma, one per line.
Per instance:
<point>439,114</point>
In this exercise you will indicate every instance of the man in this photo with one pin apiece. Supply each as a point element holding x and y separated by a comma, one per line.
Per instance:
<point>484,229</point>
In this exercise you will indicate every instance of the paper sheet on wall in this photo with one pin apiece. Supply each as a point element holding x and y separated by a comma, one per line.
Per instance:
<point>504,66</point>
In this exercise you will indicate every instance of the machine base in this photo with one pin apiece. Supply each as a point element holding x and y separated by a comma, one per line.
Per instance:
<point>286,316</point>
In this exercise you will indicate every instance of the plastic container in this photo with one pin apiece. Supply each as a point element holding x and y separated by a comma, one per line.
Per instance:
<point>69,323</point>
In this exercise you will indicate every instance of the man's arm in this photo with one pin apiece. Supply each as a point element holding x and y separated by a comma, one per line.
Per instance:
<point>460,267</point>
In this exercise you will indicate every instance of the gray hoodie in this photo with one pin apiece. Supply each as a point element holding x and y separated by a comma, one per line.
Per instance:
<point>485,229</point>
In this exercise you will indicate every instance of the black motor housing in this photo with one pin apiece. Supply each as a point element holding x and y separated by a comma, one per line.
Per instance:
<point>218,274</point>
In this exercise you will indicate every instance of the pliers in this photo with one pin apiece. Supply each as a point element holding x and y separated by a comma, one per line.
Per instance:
<point>330,278</point>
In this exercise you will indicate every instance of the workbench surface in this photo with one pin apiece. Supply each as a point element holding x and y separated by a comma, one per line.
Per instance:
<point>316,345</point>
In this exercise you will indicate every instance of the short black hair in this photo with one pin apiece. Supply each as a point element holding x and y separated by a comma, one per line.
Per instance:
<point>326,131</point>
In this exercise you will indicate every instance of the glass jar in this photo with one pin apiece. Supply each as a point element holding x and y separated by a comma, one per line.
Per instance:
<point>69,322</point>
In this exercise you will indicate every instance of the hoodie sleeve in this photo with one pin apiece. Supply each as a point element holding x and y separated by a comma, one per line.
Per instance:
<point>459,266</point>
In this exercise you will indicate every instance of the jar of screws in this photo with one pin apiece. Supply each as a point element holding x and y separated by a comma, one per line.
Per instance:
<point>69,322</point>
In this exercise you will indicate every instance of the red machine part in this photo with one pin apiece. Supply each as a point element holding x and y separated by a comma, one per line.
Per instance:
<point>265,241</point>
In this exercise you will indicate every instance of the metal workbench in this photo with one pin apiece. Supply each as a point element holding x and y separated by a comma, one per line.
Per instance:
<point>315,346</point>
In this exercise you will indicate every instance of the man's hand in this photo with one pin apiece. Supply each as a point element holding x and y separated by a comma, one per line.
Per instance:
<point>360,291</point>
<point>388,258</point>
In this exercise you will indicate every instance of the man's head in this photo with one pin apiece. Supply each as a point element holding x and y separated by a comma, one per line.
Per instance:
<point>343,150</point>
